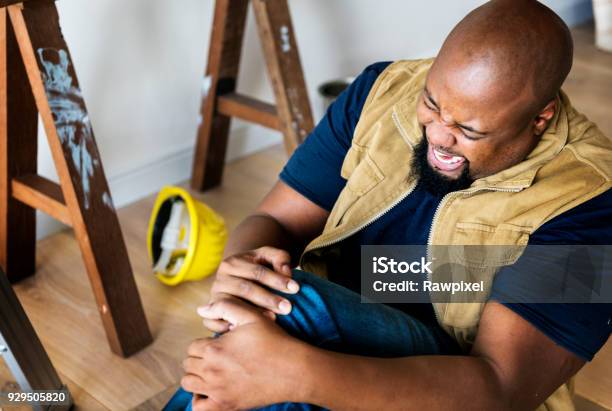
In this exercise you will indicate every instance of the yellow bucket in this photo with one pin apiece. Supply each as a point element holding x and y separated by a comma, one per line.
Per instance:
<point>185,239</point>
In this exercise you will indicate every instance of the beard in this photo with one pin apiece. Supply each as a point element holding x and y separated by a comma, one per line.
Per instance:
<point>434,182</point>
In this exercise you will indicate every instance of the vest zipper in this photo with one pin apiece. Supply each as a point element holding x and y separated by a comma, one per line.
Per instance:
<point>376,217</point>
<point>402,131</point>
<point>466,193</point>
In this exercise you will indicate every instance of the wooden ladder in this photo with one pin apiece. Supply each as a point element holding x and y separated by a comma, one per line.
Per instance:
<point>37,77</point>
<point>22,351</point>
<point>220,102</point>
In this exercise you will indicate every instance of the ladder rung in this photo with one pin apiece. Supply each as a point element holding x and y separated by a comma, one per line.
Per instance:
<point>249,109</point>
<point>4,3</point>
<point>41,194</point>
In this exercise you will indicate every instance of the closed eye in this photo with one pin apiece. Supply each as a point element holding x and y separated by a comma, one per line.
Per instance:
<point>426,102</point>
<point>470,138</point>
<point>462,131</point>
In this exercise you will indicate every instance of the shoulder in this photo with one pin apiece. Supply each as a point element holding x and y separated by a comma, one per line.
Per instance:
<point>377,68</point>
<point>358,91</point>
<point>400,80</point>
<point>587,223</point>
<point>401,72</point>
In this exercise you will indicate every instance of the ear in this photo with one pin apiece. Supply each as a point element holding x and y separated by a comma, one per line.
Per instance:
<point>540,123</point>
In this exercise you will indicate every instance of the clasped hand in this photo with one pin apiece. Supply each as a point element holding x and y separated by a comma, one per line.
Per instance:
<point>253,364</point>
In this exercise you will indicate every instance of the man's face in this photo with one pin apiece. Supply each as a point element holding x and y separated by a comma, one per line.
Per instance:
<point>473,126</point>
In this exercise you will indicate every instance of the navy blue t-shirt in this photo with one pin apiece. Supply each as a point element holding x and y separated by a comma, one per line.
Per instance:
<point>314,171</point>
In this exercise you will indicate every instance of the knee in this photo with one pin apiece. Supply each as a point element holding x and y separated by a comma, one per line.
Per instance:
<point>310,318</point>
<point>312,297</point>
<point>307,299</point>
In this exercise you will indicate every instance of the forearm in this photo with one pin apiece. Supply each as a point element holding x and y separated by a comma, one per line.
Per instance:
<point>340,381</point>
<point>258,230</point>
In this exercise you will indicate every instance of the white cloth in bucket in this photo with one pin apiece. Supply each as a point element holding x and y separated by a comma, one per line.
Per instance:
<point>175,241</point>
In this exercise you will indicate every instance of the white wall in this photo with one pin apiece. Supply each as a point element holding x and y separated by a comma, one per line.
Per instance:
<point>140,64</point>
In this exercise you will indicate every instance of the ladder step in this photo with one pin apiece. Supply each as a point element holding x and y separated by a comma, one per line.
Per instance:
<point>249,109</point>
<point>4,3</point>
<point>42,194</point>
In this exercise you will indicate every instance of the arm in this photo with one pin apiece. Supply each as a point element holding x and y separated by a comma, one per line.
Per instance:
<point>512,366</point>
<point>284,219</point>
<point>259,253</point>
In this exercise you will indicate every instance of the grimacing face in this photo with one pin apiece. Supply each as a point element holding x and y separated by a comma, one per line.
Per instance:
<point>470,121</point>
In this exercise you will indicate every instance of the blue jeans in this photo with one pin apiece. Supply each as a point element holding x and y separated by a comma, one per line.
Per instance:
<point>332,317</point>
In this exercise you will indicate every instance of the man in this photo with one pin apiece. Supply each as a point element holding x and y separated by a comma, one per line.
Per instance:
<point>476,147</point>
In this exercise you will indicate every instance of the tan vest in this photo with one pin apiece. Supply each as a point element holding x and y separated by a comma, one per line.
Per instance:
<point>571,164</point>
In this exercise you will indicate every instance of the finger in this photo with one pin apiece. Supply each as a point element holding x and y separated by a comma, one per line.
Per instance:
<point>254,293</point>
<point>221,296</point>
<point>216,326</point>
<point>279,259</point>
<point>196,348</point>
<point>193,383</point>
<point>197,403</point>
<point>261,274</point>
<point>234,311</point>
<point>206,404</point>
<point>192,365</point>
<point>219,326</point>
<point>270,314</point>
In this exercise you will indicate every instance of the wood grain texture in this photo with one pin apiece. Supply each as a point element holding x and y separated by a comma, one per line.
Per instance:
<point>18,149</point>
<point>76,157</point>
<point>42,194</point>
<point>221,73</point>
<point>285,69</point>
<point>159,401</point>
<point>583,404</point>
<point>248,109</point>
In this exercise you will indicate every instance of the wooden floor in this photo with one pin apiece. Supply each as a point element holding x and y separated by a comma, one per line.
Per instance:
<point>60,303</point>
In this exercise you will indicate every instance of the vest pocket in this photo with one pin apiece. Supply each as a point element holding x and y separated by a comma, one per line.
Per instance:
<point>484,245</point>
<point>481,234</point>
<point>365,176</point>
<point>351,160</point>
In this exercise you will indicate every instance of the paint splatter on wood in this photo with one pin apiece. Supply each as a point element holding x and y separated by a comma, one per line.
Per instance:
<point>107,200</point>
<point>298,117</point>
<point>285,41</point>
<point>71,119</point>
<point>206,83</point>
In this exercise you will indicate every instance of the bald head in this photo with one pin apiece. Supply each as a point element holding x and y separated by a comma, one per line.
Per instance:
<point>490,93</point>
<point>511,48</point>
